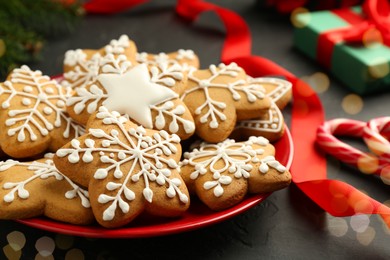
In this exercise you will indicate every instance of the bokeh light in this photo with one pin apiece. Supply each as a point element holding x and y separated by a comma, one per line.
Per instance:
<point>380,69</point>
<point>338,227</point>
<point>368,163</point>
<point>359,223</point>
<point>372,37</point>
<point>385,175</point>
<point>16,240</point>
<point>74,254</point>
<point>352,104</point>
<point>45,246</point>
<point>365,238</point>
<point>11,254</point>
<point>318,81</point>
<point>303,21</point>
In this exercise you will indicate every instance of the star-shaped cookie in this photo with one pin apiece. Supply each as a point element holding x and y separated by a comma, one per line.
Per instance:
<point>135,91</point>
<point>222,174</point>
<point>126,168</point>
<point>81,67</point>
<point>37,188</point>
<point>33,116</point>
<point>219,96</point>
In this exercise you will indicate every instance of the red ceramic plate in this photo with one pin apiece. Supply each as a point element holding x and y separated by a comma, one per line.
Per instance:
<point>196,217</point>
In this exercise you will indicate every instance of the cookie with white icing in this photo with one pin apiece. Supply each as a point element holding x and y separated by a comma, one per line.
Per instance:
<point>141,93</point>
<point>222,174</point>
<point>33,117</point>
<point>81,67</point>
<point>270,125</point>
<point>177,62</point>
<point>127,170</point>
<point>219,96</point>
<point>37,188</point>
<point>278,90</point>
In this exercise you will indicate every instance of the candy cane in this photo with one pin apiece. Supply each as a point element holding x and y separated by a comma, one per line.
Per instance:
<point>376,136</point>
<point>365,162</point>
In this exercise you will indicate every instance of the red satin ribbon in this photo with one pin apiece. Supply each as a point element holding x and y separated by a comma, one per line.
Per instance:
<point>309,166</point>
<point>377,18</point>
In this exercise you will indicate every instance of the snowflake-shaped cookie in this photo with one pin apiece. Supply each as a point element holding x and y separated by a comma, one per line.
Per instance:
<point>271,124</point>
<point>128,169</point>
<point>220,96</point>
<point>33,117</point>
<point>222,174</point>
<point>82,67</point>
<point>143,93</point>
<point>36,188</point>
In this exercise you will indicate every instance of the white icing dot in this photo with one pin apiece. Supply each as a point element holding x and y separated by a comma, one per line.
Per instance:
<point>265,126</point>
<point>273,126</point>
<point>42,96</point>
<point>49,90</point>
<point>26,101</point>
<point>27,89</point>
<point>60,103</point>
<point>276,120</point>
<point>47,110</point>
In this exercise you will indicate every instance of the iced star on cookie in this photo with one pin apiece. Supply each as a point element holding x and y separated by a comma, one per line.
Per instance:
<point>145,94</point>
<point>121,91</point>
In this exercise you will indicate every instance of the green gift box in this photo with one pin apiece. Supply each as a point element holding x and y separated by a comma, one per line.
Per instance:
<point>362,68</point>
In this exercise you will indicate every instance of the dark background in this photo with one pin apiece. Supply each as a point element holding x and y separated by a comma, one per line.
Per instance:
<point>286,225</point>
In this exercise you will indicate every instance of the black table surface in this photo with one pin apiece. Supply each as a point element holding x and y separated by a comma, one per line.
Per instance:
<point>287,225</point>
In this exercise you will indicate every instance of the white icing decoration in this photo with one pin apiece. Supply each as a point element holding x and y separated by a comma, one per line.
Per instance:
<point>34,121</point>
<point>214,109</point>
<point>43,171</point>
<point>162,57</point>
<point>118,46</point>
<point>148,153</point>
<point>85,70</point>
<point>282,86</point>
<point>272,124</point>
<point>133,93</point>
<point>237,161</point>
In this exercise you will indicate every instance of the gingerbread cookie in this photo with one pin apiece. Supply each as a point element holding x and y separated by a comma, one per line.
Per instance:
<point>127,170</point>
<point>30,189</point>
<point>32,115</point>
<point>147,99</point>
<point>278,90</point>
<point>271,124</point>
<point>81,67</point>
<point>187,59</point>
<point>222,174</point>
<point>220,96</point>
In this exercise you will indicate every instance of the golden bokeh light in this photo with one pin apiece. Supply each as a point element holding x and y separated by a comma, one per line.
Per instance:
<point>385,175</point>
<point>319,81</point>
<point>380,69</point>
<point>368,163</point>
<point>303,21</point>
<point>365,238</point>
<point>352,104</point>
<point>372,37</point>
<point>45,246</point>
<point>11,254</point>
<point>74,254</point>
<point>16,240</point>
<point>338,227</point>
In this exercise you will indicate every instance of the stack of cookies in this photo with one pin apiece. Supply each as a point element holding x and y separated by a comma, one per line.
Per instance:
<point>104,143</point>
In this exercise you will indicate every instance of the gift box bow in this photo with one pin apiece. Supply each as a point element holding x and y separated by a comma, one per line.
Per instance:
<point>371,26</point>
